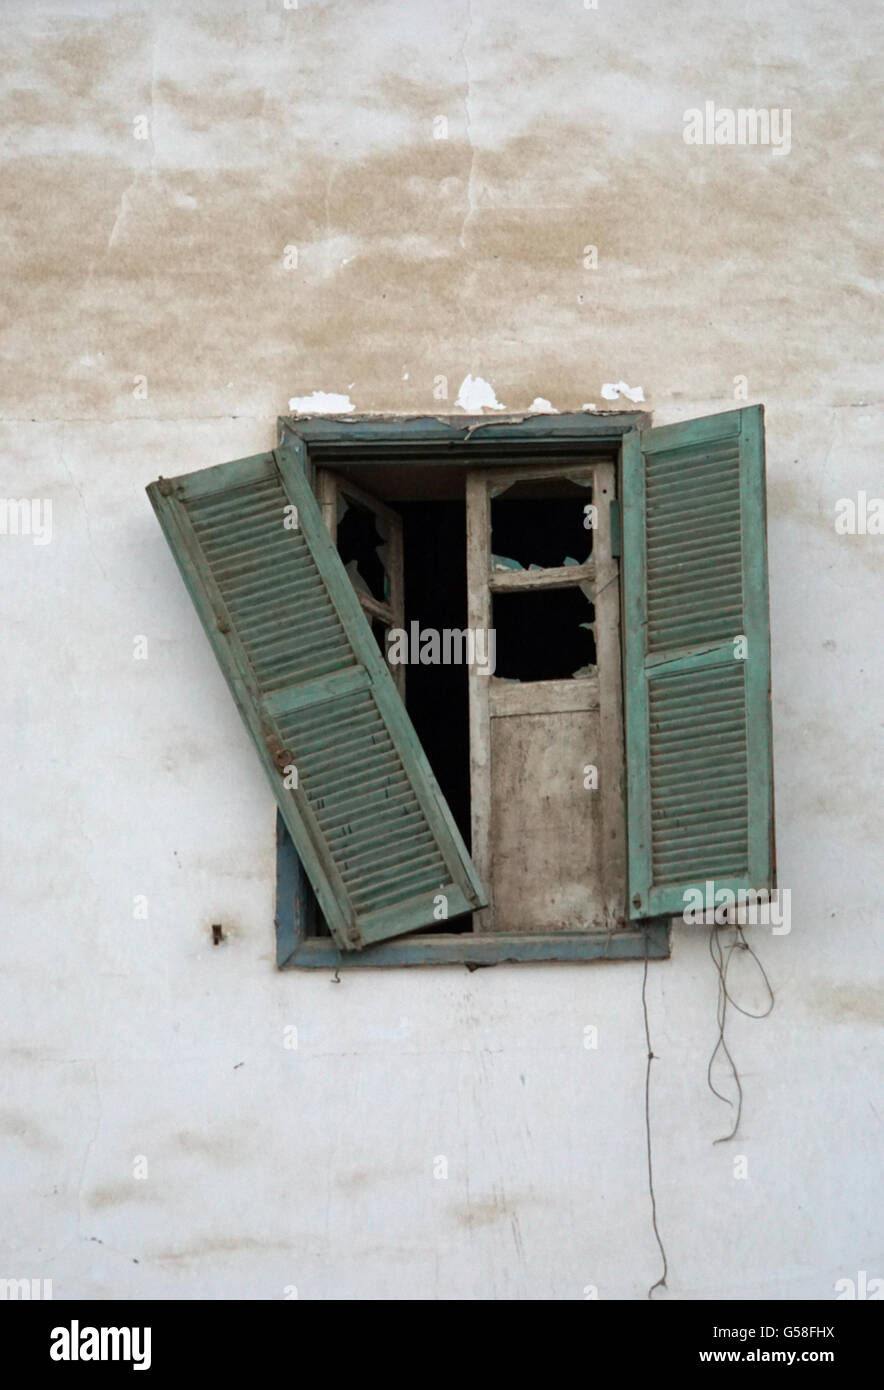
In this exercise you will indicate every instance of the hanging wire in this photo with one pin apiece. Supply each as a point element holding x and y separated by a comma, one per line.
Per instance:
<point>336,977</point>
<point>722,963</point>
<point>661,1282</point>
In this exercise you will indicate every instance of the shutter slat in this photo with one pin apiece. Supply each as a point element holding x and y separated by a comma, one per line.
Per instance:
<point>362,862</point>
<point>684,588</point>
<point>664,635</point>
<point>417,874</point>
<point>368,815</point>
<point>347,843</point>
<point>683,816</point>
<point>328,769</point>
<point>257,595</point>
<point>715,790</point>
<point>344,794</point>
<point>691,517</point>
<point>697,561</point>
<point>364,726</point>
<point>236,552</point>
<point>717,752</point>
<point>681,716</point>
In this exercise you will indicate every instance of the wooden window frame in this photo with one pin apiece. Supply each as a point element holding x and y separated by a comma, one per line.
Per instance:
<point>604,690</point>
<point>468,442</point>
<point>330,487</point>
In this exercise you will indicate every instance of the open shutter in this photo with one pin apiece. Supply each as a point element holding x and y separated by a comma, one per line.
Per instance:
<point>367,817</point>
<point>698,726</point>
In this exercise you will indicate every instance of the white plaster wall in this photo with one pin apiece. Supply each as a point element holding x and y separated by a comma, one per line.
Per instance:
<point>270,1167</point>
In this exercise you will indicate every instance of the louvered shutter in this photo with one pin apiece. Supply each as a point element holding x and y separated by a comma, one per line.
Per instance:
<point>367,817</point>
<point>698,727</point>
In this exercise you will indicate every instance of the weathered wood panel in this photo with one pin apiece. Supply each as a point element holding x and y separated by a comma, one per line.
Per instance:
<point>546,825</point>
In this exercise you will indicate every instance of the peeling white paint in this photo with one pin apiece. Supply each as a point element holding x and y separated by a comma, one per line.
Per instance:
<point>477,395</point>
<point>612,389</point>
<point>322,403</point>
<point>588,405</point>
<point>541,406</point>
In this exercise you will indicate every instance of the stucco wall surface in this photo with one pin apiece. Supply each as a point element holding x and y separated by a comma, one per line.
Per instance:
<point>440,171</point>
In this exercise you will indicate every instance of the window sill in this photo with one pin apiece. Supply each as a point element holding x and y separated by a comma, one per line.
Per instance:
<point>476,950</point>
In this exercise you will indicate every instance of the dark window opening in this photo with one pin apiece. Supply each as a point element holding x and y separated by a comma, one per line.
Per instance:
<point>544,635</point>
<point>541,523</point>
<point>434,537</point>
<point>437,697</point>
<point>360,547</point>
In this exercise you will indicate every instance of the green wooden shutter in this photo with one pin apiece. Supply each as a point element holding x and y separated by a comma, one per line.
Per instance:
<point>367,817</point>
<point>698,727</point>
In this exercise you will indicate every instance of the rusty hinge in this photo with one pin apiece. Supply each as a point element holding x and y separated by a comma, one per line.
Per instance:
<point>165,486</point>
<point>283,757</point>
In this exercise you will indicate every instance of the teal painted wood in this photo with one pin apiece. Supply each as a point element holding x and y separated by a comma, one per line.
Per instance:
<point>692,658</point>
<point>698,431</point>
<point>291,929</point>
<point>698,728</point>
<point>258,468</point>
<point>395,432</point>
<point>319,691</point>
<point>616,530</point>
<point>306,914</point>
<point>492,949</point>
<point>756,599</point>
<point>367,817</point>
<point>635,684</point>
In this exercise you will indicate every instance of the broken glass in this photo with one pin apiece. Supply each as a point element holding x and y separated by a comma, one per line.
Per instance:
<point>545,634</point>
<point>363,544</point>
<point>542,523</point>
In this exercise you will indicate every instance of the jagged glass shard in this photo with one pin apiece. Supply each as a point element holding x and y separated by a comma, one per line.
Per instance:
<point>356,579</point>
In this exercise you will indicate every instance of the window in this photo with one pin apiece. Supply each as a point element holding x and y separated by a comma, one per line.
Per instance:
<point>509,680</point>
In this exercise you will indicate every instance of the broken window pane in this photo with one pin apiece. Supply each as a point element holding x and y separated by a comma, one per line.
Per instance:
<point>542,523</point>
<point>362,547</point>
<point>544,635</point>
